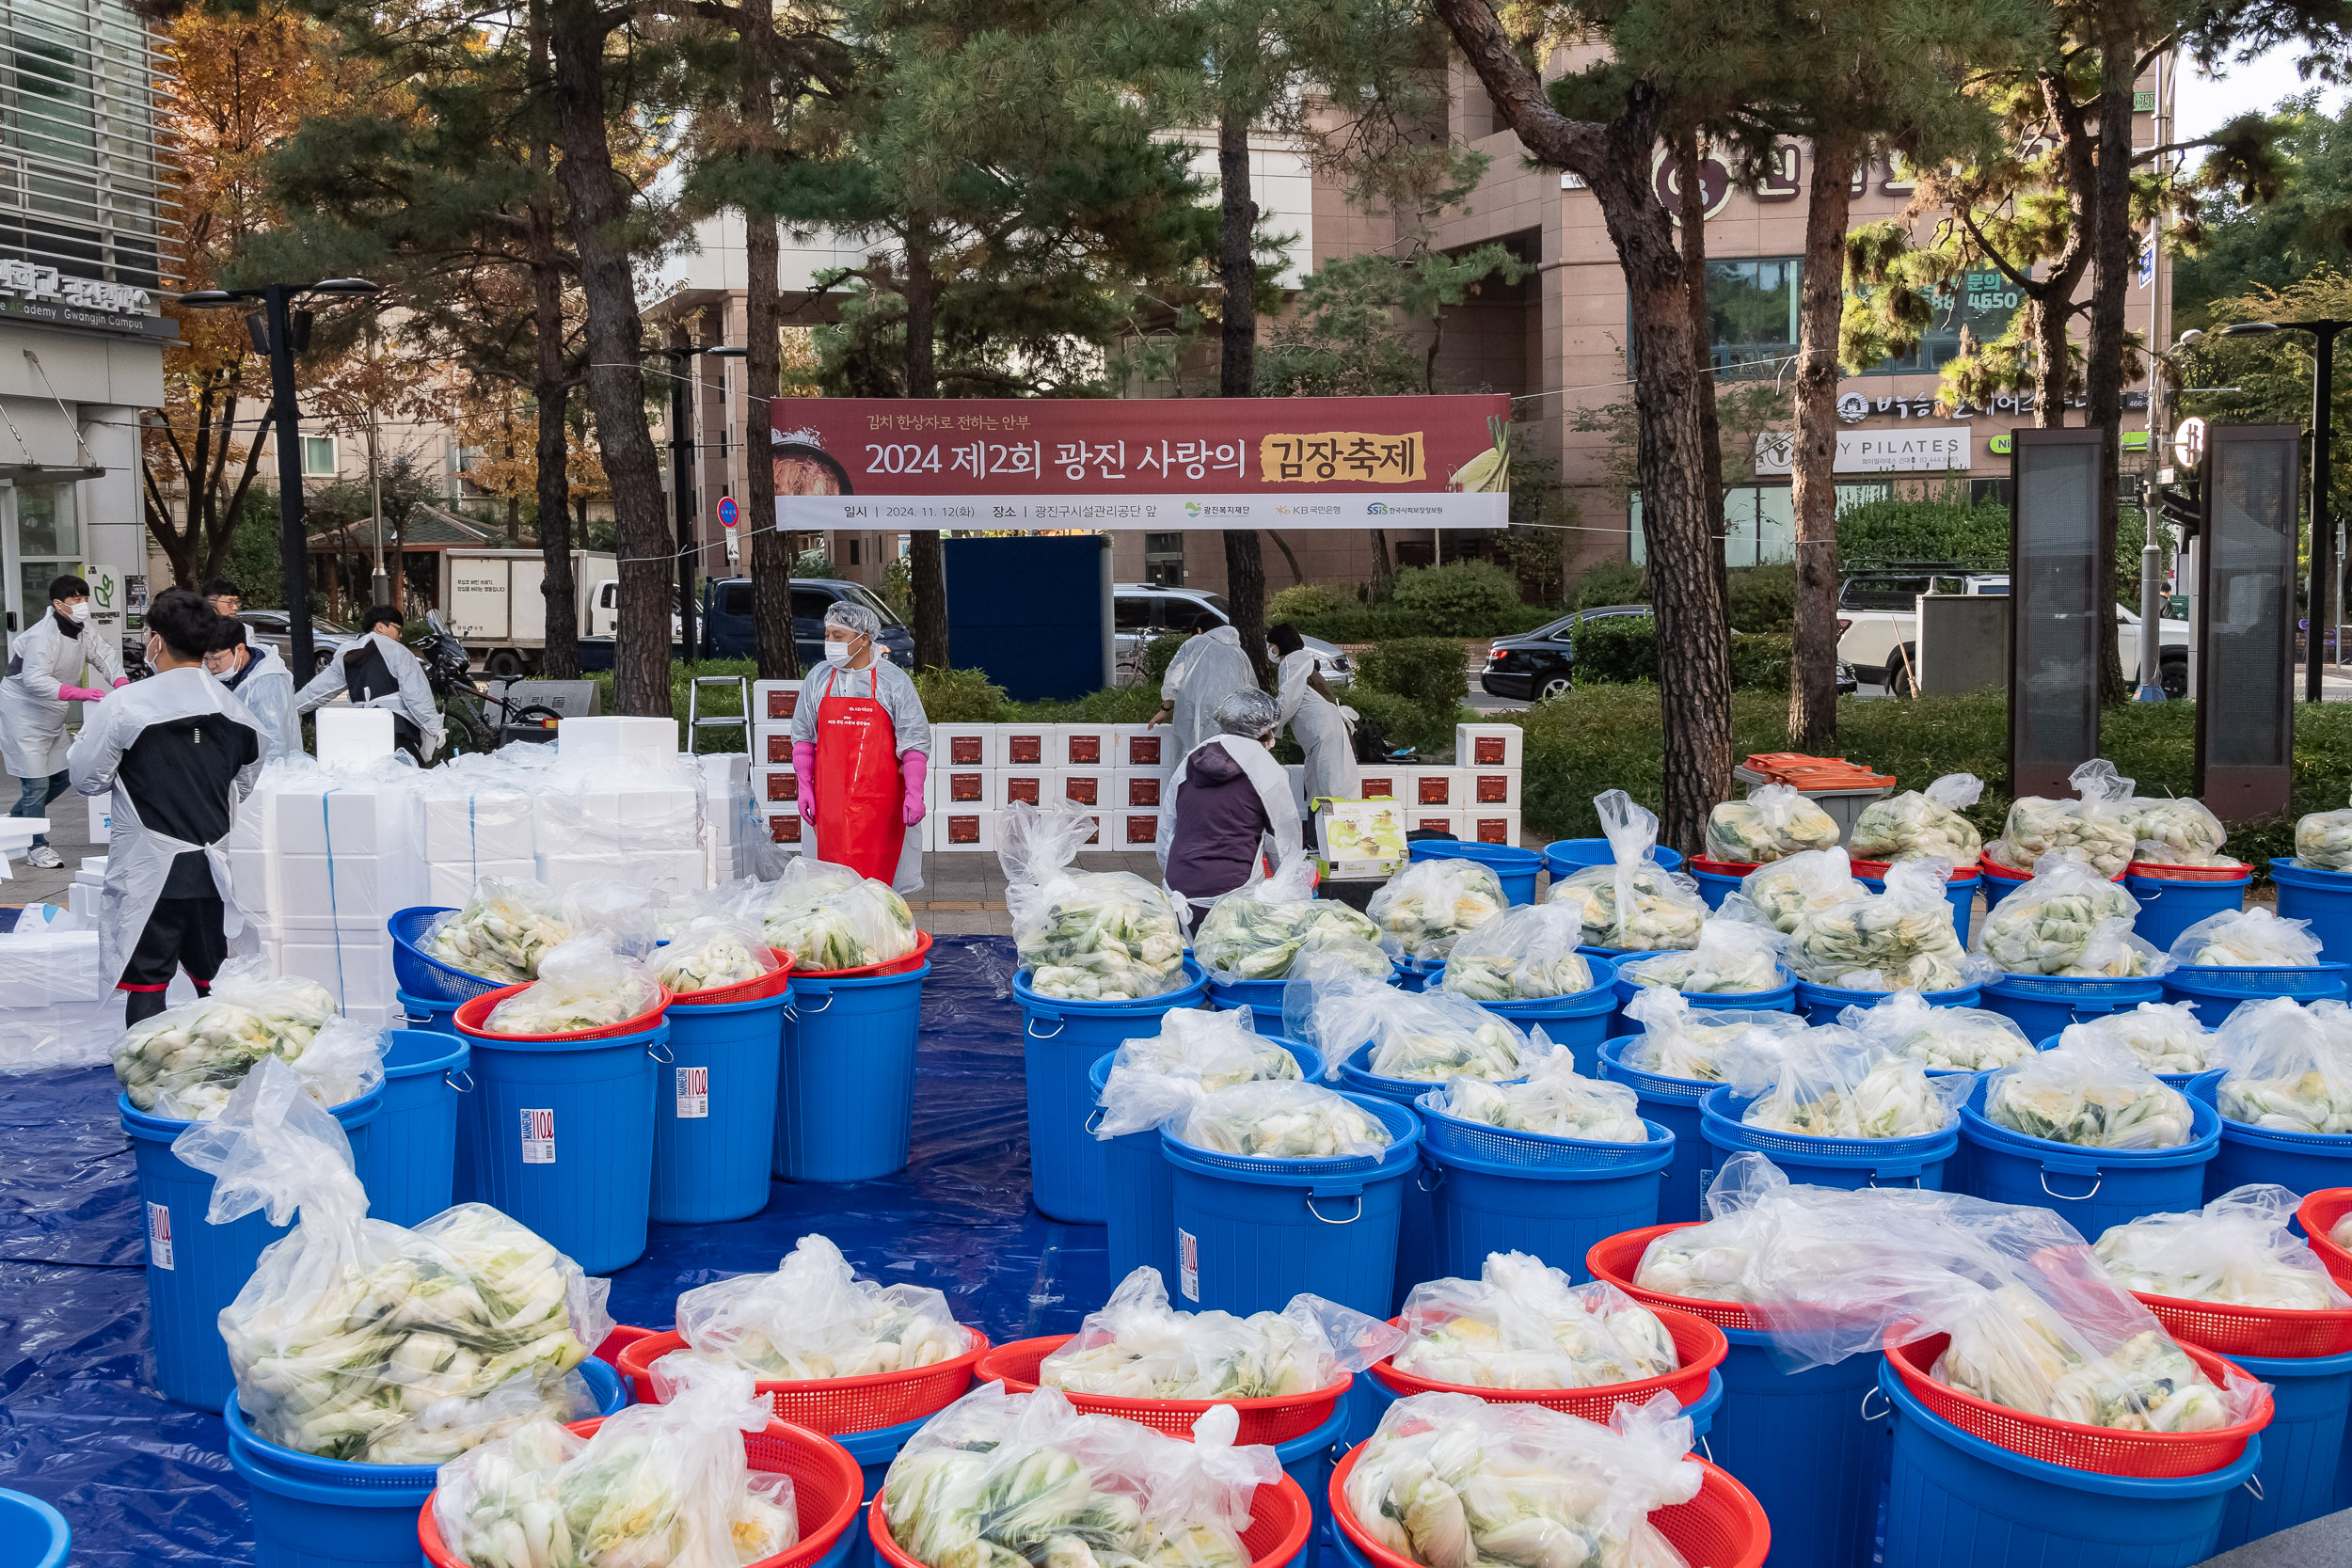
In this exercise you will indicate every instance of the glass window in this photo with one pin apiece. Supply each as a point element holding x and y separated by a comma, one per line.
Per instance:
<point>46,523</point>
<point>318,454</point>
<point>735,599</point>
<point>809,605</point>
<point>1131,614</point>
<point>1752,309</point>
<point>860,594</point>
<point>1759,526</point>
<point>1982,302</point>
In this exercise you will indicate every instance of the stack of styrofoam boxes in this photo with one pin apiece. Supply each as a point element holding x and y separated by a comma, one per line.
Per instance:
<point>1476,798</point>
<point>622,807</point>
<point>730,826</point>
<point>474,827</point>
<point>81,895</point>
<point>59,1009</point>
<point>1143,759</point>
<point>344,853</point>
<point>775,793</point>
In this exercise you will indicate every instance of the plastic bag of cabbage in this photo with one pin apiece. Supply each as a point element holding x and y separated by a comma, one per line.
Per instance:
<point>1389,1033</point>
<point>1523,1324</point>
<point>1449,1481</point>
<point>1902,939</point>
<point>1521,955</point>
<point>1832,1083</point>
<point>1428,904</point>
<point>711,953</point>
<point>1553,1099</point>
<point>2247,939</point>
<point>1000,1477</point>
<point>1730,955</point>
<point>1274,1120</point>
<point>1950,1040</point>
<point>2093,826</point>
<point>2237,1249</point>
<point>1781,893</point>
<point>813,1317</point>
<point>2286,1067</point>
<point>185,1061</point>
<point>1218,1049</point>
<point>582,984</point>
<point>666,1484</point>
<point>828,917</point>
<point>1139,1347</point>
<point>357,1340</point>
<point>2067,922</point>
<point>2323,841</point>
<point>1084,936</point>
<point>1258,931</point>
<point>2163,1037</point>
<point>1633,903</point>
<point>1774,820</point>
<point>2175,832</point>
<point>2091,1092</point>
<point>1693,1043</point>
<point>505,928</point>
<point>1921,822</point>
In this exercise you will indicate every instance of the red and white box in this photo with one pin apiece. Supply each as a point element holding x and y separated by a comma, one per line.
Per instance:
<point>967,746</point>
<point>1134,830</point>
<point>1143,748</point>
<point>1090,787</point>
<point>1432,819</point>
<point>1437,788</point>
<point>966,789</point>
<point>772,702</point>
<point>956,830</point>
<point>1027,746</point>
<point>1133,791</point>
<point>1086,745</point>
<point>774,786</point>
<point>1488,746</point>
<point>1032,786</point>
<point>1385,782</point>
<point>1490,788</point>
<point>785,827</point>
<point>1488,825</point>
<point>771,743</point>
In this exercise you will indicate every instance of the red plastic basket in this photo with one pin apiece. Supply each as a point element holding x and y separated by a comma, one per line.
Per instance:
<point>2229,1330</point>
<point>470,1016</point>
<point>835,1404</point>
<point>827,1486</point>
<point>2317,1214</point>
<point>1995,871</point>
<point>2103,1450</point>
<point>759,986</point>
<point>1878,870</point>
<point>896,966</point>
<point>615,1344</point>
<point>1280,1519</point>
<point>2158,871</point>
<point>1617,1258</point>
<point>1699,1345</point>
<point>1723,1526</point>
<point>1722,868</point>
<point>1275,1419</point>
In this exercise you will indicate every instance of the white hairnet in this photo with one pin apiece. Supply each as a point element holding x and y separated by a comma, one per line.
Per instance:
<point>855,619</point>
<point>1249,712</point>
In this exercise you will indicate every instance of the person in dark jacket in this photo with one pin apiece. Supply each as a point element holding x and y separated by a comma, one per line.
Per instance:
<point>1228,801</point>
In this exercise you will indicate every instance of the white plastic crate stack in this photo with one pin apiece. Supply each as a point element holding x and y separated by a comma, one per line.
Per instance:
<point>730,826</point>
<point>622,806</point>
<point>339,854</point>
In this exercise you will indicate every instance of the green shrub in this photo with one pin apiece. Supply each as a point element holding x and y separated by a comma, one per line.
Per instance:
<point>960,696</point>
<point>1611,583</point>
<point>1359,623</point>
<point>1158,654</point>
<point>1462,598</point>
<point>1762,598</point>
<point>1307,599</point>
<point>1615,649</point>
<point>1761,661</point>
<point>1402,720</point>
<point>1430,672</point>
<point>1111,704</point>
<point>1941,529</point>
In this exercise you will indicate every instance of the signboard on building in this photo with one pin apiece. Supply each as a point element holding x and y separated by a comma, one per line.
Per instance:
<point>1143,463</point>
<point>30,292</point>
<point>1904,449</point>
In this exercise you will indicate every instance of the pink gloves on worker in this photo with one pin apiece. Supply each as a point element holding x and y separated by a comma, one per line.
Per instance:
<point>803,765</point>
<point>79,694</point>
<point>122,680</point>
<point>912,768</point>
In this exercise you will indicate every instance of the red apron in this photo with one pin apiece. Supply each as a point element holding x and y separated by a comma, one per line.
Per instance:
<point>860,823</point>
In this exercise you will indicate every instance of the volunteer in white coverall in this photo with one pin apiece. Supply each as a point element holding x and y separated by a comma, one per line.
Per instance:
<point>179,754</point>
<point>46,664</point>
<point>861,748</point>
<point>1320,726</point>
<point>261,682</point>
<point>378,671</point>
<point>1229,799</point>
<point>1208,669</point>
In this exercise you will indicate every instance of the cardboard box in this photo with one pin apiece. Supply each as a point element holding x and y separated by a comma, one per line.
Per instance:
<point>351,738</point>
<point>1030,785</point>
<point>1487,745</point>
<point>787,828</point>
<point>1488,825</point>
<point>1385,784</point>
<point>772,702</point>
<point>1028,745</point>
<point>1488,788</point>
<point>1083,786</point>
<point>1432,819</point>
<point>958,832</point>
<point>771,743</point>
<point>964,789</point>
<point>1131,790</point>
<point>1143,746</point>
<point>452,886</point>
<point>1437,786</point>
<point>963,745</point>
<point>774,785</point>
<point>618,739</point>
<point>1136,830</point>
<point>1086,745</point>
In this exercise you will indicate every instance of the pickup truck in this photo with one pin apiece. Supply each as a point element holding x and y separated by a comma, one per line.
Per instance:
<point>1878,626</point>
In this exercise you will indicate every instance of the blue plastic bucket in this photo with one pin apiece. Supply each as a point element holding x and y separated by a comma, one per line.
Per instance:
<point>1063,1041</point>
<point>1253,1233</point>
<point>1959,891</point>
<point>1140,1188</point>
<point>2215,991</point>
<point>2302,1446</point>
<point>1847,1164</point>
<point>714,1125</point>
<point>1954,1500</point>
<point>420,1012</point>
<point>1566,856</point>
<point>34,1535</point>
<point>1580,1021</point>
<point>1823,1003</point>
<point>1416,1231</point>
<point>2322,897</point>
<point>1513,866</point>
<point>2303,1163</point>
<point>560,1139</point>
<point>2042,1005</point>
<point>845,1094</point>
<point>410,1167</point>
<point>1673,1103</point>
<point>313,1513</point>
<point>873,1450</point>
<point>2091,1189</point>
<point>1417,974</point>
<point>195,1268</point>
<point>1716,886</point>
<point>1802,1443</point>
<point>1551,1197</point>
<point>1308,1461</point>
<point>2170,905</point>
<point>426,977</point>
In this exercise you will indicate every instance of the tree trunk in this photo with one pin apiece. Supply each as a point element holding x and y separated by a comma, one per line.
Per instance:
<point>927,557</point>
<point>2111,287</point>
<point>1813,679</point>
<point>771,553</point>
<point>2049,370</point>
<point>1237,365</point>
<point>551,452</point>
<point>1383,570</point>
<point>616,381</point>
<point>1693,216</point>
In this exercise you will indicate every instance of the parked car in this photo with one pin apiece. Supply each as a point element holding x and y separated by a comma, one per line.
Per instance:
<point>274,627</point>
<point>1141,612</point>
<point>727,618</point>
<point>1878,626</point>
<point>1539,664</point>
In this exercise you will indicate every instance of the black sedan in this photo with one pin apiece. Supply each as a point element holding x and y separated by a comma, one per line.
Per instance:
<point>1538,664</point>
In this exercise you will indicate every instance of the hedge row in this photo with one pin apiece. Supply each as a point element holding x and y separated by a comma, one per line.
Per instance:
<point>1619,649</point>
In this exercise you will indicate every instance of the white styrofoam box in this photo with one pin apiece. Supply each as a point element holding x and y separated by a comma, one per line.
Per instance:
<point>1033,786</point>
<point>488,825</point>
<point>1297,773</point>
<point>1132,829</point>
<point>964,745</point>
<point>774,784</point>
<point>92,870</point>
<point>772,702</point>
<point>101,817</point>
<point>350,738</point>
<point>376,1015</point>
<point>771,743</point>
<point>963,788</point>
<point>355,975</point>
<point>732,819</point>
<point>82,899</point>
<point>450,887</point>
<point>1487,745</point>
<point>46,967</point>
<point>1440,787</point>
<point>1027,745</point>
<point>367,819</point>
<point>255,824</point>
<point>1432,819</point>
<point>1489,789</point>
<point>1132,790</point>
<point>616,737</point>
<point>374,886</point>
<point>618,822</point>
<point>1491,824</point>
<point>1384,782</point>
<point>723,769</point>
<point>1086,745</point>
<point>1143,747</point>
<point>1083,786</point>
<point>955,830</point>
<point>669,871</point>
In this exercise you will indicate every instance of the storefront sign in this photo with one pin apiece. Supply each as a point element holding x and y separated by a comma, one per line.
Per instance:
<point>1143,463</point>
<point>1904,449</point>
<point>33,293</point>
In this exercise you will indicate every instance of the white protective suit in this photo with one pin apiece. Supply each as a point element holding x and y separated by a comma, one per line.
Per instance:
<point>138,858</point>
<point>1274,791</point>
<point>1321,730</point>
<point>43,658</point>
<point>413,701</point>
<point>1208,669</point>
<point>267,692</point>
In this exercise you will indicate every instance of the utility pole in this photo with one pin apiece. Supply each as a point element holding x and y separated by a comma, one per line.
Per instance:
<point>380,586</point>
<point>681,356</point>
<point>293,547</point>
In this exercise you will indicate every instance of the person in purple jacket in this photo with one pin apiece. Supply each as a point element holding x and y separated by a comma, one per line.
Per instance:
<point>1228,801</point>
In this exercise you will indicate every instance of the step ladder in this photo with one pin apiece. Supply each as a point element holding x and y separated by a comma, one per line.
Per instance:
<point>740,720</point>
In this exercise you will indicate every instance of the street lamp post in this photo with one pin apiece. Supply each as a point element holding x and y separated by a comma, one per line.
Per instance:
<point>2151,553</point>
<point>2323,527</point>
<point>276,300</point>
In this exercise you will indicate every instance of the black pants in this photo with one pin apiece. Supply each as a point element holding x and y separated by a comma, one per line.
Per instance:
<point>181,933</point>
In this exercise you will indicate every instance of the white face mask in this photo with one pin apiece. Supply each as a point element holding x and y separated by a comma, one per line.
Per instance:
<point>839,651</point>
<point>79,613</point>
<point>154,650</point>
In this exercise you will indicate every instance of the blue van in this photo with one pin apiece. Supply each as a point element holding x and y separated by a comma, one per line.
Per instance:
<point>727,618</point>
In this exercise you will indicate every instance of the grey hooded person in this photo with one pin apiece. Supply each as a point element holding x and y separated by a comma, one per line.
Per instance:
<point>1228,804</point>
<point>1208,669</point>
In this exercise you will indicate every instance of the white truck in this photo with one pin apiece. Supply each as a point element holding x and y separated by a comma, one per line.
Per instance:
<point>492,600</point>
<point>1878,626</point>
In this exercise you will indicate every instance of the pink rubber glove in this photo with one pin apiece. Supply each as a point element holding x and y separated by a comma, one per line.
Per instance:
<point>122,680</point>
<point>804,766</point>
<point>912,768</point>
<point>79,694</point>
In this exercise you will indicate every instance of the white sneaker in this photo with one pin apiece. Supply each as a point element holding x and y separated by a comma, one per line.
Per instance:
<point>43,858</point>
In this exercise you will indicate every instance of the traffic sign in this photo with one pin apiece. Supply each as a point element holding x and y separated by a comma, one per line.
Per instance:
<point>727,513</point>
<point>2188,443</point>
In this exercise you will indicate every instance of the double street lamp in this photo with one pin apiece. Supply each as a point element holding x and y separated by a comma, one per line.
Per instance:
<point>2322,598</point>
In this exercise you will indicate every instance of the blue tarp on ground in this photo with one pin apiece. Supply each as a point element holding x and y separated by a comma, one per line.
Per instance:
<point>142,1481</point>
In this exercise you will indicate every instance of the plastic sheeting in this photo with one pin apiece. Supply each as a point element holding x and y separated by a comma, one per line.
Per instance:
<point>142,1481</point>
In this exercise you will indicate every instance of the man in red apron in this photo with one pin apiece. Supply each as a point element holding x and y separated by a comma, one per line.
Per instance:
<point>860,745</point>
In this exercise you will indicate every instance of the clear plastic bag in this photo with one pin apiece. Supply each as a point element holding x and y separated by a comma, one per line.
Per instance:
<point>828,917</point>
<point>1084,936</point>
<point>1900,940</point>
<point>1921,822</point>
<point>1278,1120</point>
<point>1520,955</point>
<point>1392,1033</point>
<point>1696,1043</point>
<point>359,1341</point>
<point>2237,1249</point>
<point>815,1318</point>
<point>2247,939</point>
<point>1719,1258</point>
<point>1553,1098</point>
<point>1219,1049</point>
<point>1729,956</point>
<point>1139,1347</point>
<point>2287,1068</point>
<point>1524,1324</point>
<point>186,1061</point>
<point>1428,904</point>
<point>2323,841</point>
<point>711,953</point>
<point>1449,1481</point>
<point>2175,832</point>
<point>2067,921</point>
<point>657,1485</point>
<point>1774,820</point>
<point>505,928</point>
<point>1958,1040</point>
<point>2093,825</point>
<point>2163,1037</point>
<point>583,984</point>
<point>1256,931</point>
<point>1779,895</point>
<point>1634,903</point>
<point>1832,1083</point>
<point>2090,1092</point>
<point>999,1478</point>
